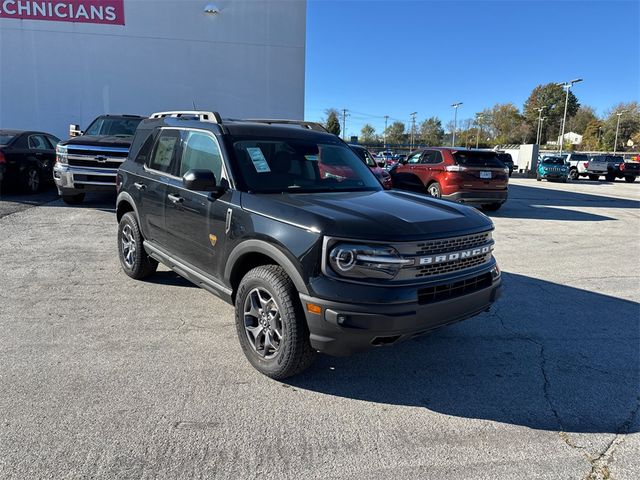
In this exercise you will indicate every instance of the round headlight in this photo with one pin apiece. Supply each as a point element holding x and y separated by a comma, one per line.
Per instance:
<point>344,259</point>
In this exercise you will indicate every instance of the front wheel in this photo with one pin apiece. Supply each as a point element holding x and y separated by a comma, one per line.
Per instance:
<point>135,261</point>
<point>630,179</point>
<point>610,178</point>
<point>594,177</point>
<point>573,174</point>
<point>538,177</point>
<point>434,190</point>
<point>270,323</point>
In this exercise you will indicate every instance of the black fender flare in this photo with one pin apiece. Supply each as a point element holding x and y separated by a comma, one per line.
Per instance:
<point>125,197</point>
<point>271,251</point>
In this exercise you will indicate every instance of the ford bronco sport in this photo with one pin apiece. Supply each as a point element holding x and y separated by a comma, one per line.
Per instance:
<point>251,211</point>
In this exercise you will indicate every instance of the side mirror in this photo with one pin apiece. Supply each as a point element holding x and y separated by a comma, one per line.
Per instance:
<point>74,130</point>
<point>200,180</point>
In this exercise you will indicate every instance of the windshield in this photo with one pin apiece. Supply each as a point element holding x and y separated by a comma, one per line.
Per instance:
<point>579,157</point>
<point>504,157</point>
<point>300,166</point>
<point>553,161</point>
<point>5,138</point>
<point>104,126</point>
<point>477,159</point>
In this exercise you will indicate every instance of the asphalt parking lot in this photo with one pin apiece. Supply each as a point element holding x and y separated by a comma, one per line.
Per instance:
<point>105,377</point>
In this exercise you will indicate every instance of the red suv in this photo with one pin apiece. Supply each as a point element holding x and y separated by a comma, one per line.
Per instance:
<point>473,177</point>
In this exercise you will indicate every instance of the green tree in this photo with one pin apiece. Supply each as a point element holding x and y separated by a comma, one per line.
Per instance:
<point>431,132</point>
<point>395,133</point>
<point>332,123</point>
<point>591,136</point>
<point>367,134</point>
<point>552,97</point>
<point>506,123</point>
<point>629,125</point>
<point>578,123</point>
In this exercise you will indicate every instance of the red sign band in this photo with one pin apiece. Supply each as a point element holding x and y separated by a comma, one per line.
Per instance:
<point>78,11</point>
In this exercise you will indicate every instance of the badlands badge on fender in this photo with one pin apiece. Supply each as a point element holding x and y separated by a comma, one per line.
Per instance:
<point>213,239</point>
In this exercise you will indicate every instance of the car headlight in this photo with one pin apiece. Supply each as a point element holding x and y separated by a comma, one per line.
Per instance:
<point>61,154</point>
<point>366,261</point>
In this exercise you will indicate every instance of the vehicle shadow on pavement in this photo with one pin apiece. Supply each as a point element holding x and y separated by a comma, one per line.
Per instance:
<point>549,204</point>
<point>548,357</point>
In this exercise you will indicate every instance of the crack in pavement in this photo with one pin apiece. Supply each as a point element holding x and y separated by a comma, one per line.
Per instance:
<point>599,461</point>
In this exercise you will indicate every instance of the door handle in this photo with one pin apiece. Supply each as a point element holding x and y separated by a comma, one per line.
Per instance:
<point>39,154</point>
<point>140,186</point>
<point>175,198</point>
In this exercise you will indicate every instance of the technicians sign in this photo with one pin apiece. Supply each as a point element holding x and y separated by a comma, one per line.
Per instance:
<point>81,11</point>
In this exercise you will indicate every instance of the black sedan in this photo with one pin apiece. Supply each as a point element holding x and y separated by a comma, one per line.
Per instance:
<point>26,158</point>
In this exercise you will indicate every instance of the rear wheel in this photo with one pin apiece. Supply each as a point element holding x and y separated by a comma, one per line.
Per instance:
<point>594,177</point>
<point>630,179</point>
<point>573,174</point>
<point>135,261</point>
<point>491,207</point>
<point>32,180</point>
<point>434,190</point>
<point>73,199</point>
<point>538,177</point>
<point>270,323</point>
<point>610,177</point>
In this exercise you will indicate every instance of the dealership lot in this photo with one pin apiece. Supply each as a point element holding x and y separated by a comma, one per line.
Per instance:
<point>103,376</point>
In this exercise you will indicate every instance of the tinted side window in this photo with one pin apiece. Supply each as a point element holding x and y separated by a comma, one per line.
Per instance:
<point>431,157</point>
<point>53,140</point>
<point>201,152</point>
<point>38,142</point>
<point>165,151</point>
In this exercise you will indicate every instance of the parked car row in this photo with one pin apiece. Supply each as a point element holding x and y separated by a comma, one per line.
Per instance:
<point>575,165</point>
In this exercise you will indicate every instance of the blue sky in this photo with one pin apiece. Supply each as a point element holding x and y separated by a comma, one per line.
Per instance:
<point>395,57</point>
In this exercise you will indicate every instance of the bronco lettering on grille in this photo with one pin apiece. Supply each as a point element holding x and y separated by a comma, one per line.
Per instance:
<point>450,257</point>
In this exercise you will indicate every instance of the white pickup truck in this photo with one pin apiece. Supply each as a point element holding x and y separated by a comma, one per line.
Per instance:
<point>578,164</point>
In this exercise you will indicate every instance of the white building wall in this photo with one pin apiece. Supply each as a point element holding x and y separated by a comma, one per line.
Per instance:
<point>246,61</point>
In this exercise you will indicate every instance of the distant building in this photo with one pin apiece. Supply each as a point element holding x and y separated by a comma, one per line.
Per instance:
<point>569,137</point>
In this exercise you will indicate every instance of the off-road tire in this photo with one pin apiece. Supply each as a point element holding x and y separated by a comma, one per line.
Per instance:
<point>629,179</point>
<point>573,174</point>
<point>295,353</point>
<point>610,178</point>
<point>594,177</point>
<point>75,199</point>
<point>142,265</point>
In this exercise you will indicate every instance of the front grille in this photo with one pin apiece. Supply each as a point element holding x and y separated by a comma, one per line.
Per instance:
<point>104,179</point>
<point>83,162</point>
<point>114,152</point>
<point>452,244</point>
<point>453,290</point>
<point>448,267</point>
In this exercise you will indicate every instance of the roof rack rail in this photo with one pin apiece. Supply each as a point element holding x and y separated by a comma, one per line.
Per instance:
<point>203,116</point>
<point>273,121</point>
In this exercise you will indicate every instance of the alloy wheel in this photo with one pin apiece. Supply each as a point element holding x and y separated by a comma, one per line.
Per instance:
<point>33,180</point>
<point>262,323</point>
<point>128,247</point>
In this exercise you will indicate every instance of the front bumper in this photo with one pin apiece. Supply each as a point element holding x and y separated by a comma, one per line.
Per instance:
<point>72,179</point>
<point>554,175</point>
<point>478,197</point>
<point>345,328</point>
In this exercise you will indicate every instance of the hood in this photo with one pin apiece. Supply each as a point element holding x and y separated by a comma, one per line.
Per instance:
<point>102,141</point>
<point>382,215</point>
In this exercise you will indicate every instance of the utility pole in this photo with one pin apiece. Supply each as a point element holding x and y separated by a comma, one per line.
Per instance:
<point>455,121</point>
<point>567,86</point>
<point>344,124</point>
<point>615,143</point>
<point>479,132</point>
<point>539,124</point>
<point>413,127</point>
<point>384,134</point>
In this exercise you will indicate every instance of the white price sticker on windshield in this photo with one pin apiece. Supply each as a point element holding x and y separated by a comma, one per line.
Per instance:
<point>259,162</point>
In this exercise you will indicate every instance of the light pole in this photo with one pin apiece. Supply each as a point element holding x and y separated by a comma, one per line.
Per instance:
<point>539,124</point>
<point>479,123</point>
<point>413,127</point>
<point>568,86</point>
<point>615,144</point>
<point>384,134</point>
<point>455,120</point>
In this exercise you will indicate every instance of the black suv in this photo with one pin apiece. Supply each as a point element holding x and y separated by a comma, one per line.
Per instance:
<point>284,221</point>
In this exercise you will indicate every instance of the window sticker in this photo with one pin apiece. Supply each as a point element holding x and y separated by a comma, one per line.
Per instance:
<point>259,162</point>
